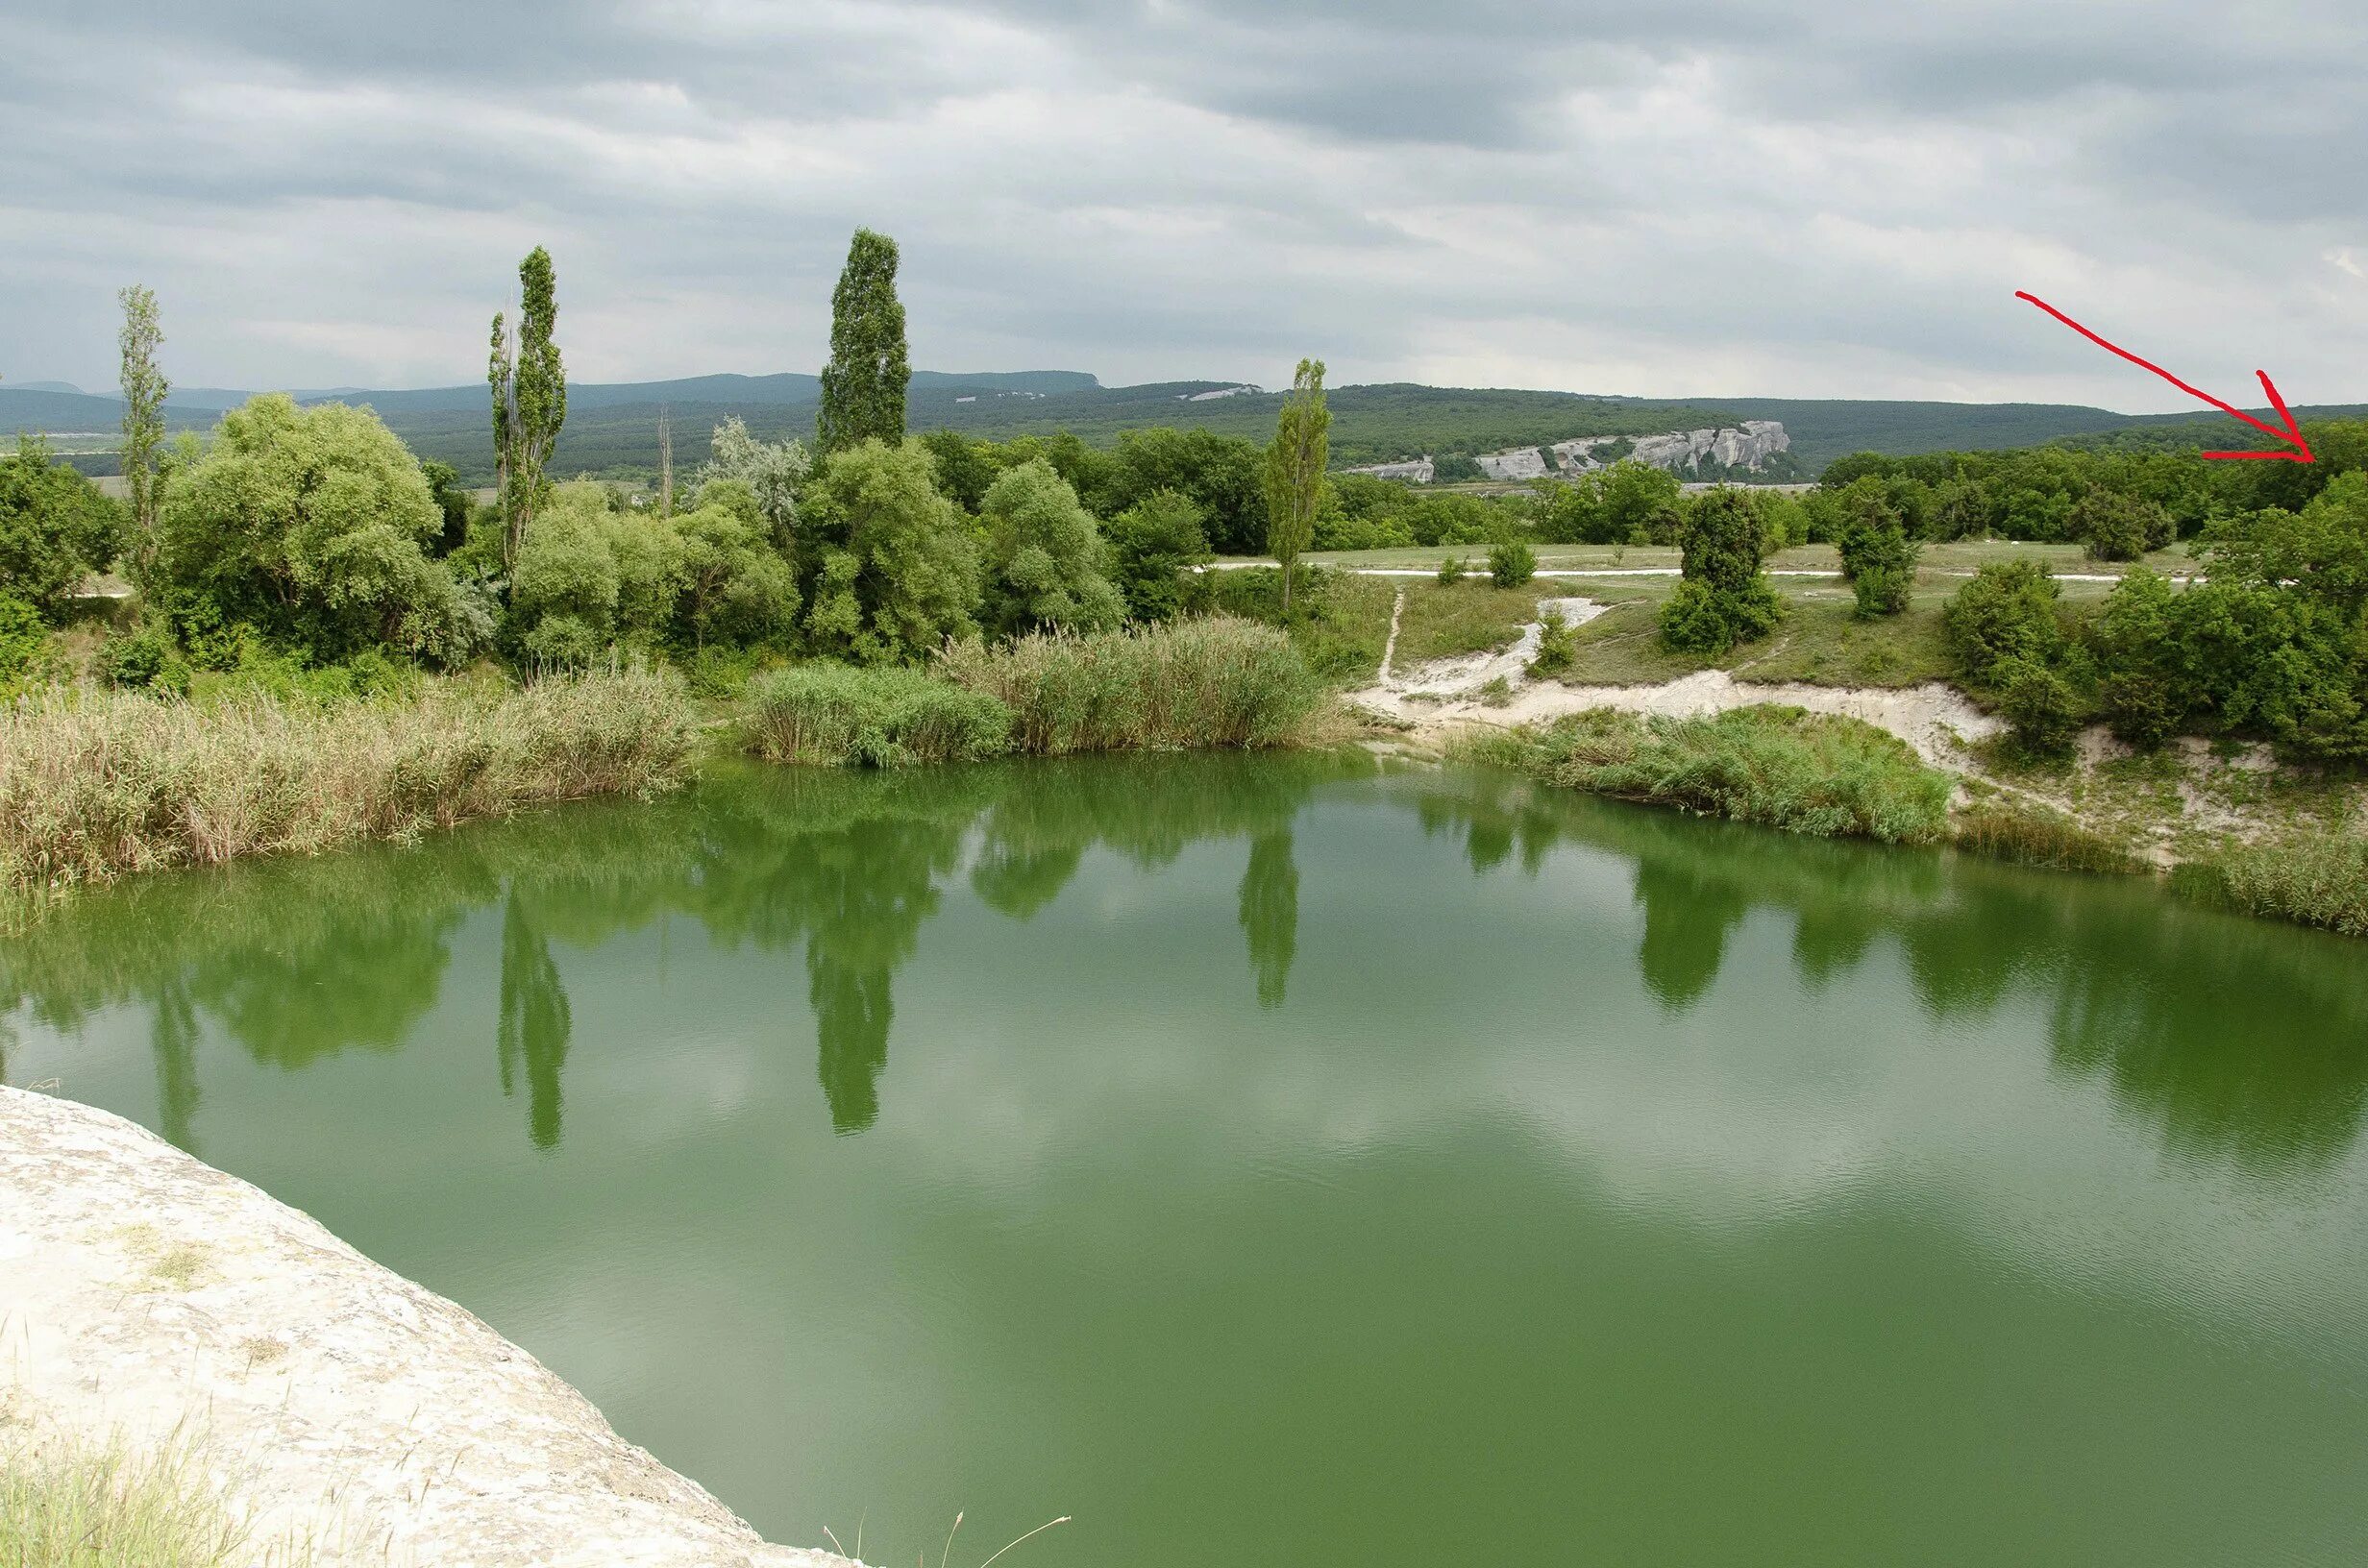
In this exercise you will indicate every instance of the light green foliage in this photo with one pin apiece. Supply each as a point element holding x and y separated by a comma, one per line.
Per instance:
<point>144,389</point>
<point>863,386</point>
<point>2315,879</point>
<point>530,399</point>
<point>1512,564</point>
<point>1044,556</point>
<point>1625,503</point>
<point>1723,598</point>
<point>1452,570</point>
<point>1191,684</point>
<point>773,470</point>
<point>882,718</point>
<point>734,588</point>
<point>55,528</point>
<point>886,563</point>
<point>2116,527</point>
<point>1877,557</point>
<point>24,643</point>
<point>1295,471</point>
<point>1457,520</point>
<point>69,1504</point>
<point>1223,474</point>
<point>1360,512</point>
<point>310,526</point>
<point>1152,543</point>
<point>1803,773</point>
<point>2009,642</point>
<point>965,467</point>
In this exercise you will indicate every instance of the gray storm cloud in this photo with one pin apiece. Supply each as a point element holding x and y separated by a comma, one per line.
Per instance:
<point>1695,199</point>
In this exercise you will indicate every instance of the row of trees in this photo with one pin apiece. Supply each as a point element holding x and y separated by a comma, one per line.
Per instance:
<point>311,537</point>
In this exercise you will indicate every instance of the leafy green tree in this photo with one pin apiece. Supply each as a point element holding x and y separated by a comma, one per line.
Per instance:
<point>1294,477</point>
<point>1877,557</point>
<point>1152,543</point>
<point>1044,556</point>
<point>144,388</point>
<point>965,467</point>
<point>863,386</point>
<point>2114,526</point>
<point>1639,504</point>
<point>2321,552</point>
<point>309,526</point>
<point>530,399</point>
<point>1225,476</point>
<point>1961,509</point>
<point>773,470</point>
<point>887,568</point>
<point>2007,611</point>
<point>1723,598</point>
<point>56,528</point>
<point>736,590</point>
<point>453,501</point>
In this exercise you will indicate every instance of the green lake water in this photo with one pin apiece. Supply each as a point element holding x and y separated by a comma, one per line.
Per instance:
<point>1286,1160</point>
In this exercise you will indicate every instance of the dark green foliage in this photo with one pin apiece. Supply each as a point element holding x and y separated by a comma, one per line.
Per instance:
<point>144,657</point>
<point>2011,646</point>
<point>1512,564</point>
<point>1802,772</point>
<point>1221,475</point>
<point>863,386</point>
<point>1877,557</point>
<point>453,501</point>
<point>2116,527</point>
<point>2039,701</point>
<point>23,640</point>
<point>55,528</point>
<point>1451,571</point>
<point>530,399</point>
<point>1724,598</point>
<point>882,718</point>
<point>965,467</point>
<point>1151,544</point>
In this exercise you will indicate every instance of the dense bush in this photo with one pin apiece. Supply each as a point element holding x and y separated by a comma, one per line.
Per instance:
<point>1625,503</point>
<point>1194,683</point>
<point>1222,476</point>
<point>1044,556</point>
<point>2112,525</point>
<point>1512,564</point>
<point>2009,644</point>
<point>1152,545</point>
<point>56,528</point>
<point>881,717</point>
<point>1778,765</point>
<point>312,527</point>
<point>1724,598</point>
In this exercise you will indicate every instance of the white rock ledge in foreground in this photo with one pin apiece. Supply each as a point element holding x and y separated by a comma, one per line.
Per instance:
<point>142,1292</point>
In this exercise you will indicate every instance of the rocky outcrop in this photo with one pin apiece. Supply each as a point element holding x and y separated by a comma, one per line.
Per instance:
<point>147,1295</point>
<point>1749,447</point>
<point>1421,471</point>
<point>1513,463</point>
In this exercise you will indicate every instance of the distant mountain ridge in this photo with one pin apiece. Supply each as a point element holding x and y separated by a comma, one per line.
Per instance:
<point>612,426</point>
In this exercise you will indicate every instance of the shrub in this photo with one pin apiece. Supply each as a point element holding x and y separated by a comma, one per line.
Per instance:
<point>1043,558</point>
<point>2043,707</point>
<point>1877,556</point>
<point>144,656</point>
<point>1557,649</point>
<point>1512,564</point>
<point>1725,599</point>
<point>23,642</point>
<point>1451,571</point>
<point>1193,684</point>
<point>2007,611</point>
<point>882,718</point>
<point>55,527</point>
<point>1784,768</point>
<point>95,784</point>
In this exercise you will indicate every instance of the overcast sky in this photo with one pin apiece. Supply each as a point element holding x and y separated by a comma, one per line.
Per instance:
<point>1691,198</point>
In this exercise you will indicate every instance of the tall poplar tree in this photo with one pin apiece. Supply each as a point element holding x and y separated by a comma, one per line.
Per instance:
<point>863,386</point>
<point>530,399</point>
<point>144,388</point>
<point>1294,471</point>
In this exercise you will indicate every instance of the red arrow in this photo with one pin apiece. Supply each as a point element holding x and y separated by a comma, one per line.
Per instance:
<point>2292,434</point>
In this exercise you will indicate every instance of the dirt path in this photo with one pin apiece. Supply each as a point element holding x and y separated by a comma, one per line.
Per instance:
<point>1389,649</point>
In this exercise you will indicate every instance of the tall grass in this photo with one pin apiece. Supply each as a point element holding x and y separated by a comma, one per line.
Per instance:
<point>70,1504</point>
<point>1192,684</point>
<point>1803,773</point>
<point>2319,880</point>
<point>830,713</point>
<point>96,784</point>
<point>2028,834</point>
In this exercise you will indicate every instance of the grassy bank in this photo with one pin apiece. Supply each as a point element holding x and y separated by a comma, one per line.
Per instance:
<point>2320,881</point>
<point>96,784</point>
<point>1780,766</point>
<point>69,1505</point>
<point>1194,685</point>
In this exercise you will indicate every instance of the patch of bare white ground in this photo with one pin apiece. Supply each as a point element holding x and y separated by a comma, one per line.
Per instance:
<point>1938,722</point>
<point>150,1297</point>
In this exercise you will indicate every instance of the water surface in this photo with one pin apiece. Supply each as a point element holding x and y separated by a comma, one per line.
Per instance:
<point>1272,1159</point>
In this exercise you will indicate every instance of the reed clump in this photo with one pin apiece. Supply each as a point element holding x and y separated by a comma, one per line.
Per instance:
<point>2028,834</point>
<point>94,784</point>
<point>833,714</point>
<point>2319,879</point>
<point>1192,684</point>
